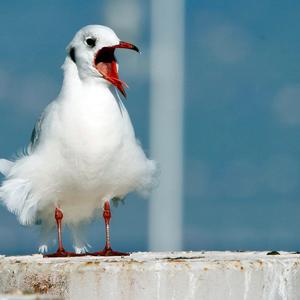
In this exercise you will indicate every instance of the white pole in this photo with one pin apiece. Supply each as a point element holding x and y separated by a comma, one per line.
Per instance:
<point>166,122</point>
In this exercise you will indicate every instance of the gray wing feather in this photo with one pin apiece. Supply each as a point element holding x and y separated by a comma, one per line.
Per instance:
<point>38,128</point>
<point>36,132</point>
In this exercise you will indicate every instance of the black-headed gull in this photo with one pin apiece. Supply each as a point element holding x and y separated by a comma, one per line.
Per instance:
<point>83,151</point>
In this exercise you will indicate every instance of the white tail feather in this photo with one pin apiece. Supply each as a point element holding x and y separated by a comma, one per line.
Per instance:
<point>16,189</point>
<point>150,179</point>
<point>16,195</point>
<point>5,166</point>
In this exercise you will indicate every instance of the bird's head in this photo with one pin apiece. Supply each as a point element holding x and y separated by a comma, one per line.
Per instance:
<point>93,51</point>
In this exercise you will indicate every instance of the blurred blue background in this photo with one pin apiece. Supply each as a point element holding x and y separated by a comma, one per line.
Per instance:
<point>242,114</point>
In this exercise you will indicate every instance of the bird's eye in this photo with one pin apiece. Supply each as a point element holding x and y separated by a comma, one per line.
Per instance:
<point>91,42</point>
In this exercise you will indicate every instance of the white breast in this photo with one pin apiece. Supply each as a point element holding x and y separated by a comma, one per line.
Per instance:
<point>92,125</point>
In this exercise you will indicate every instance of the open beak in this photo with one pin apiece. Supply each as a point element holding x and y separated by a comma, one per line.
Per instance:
<point>126,45</point>
<point>106,64</point>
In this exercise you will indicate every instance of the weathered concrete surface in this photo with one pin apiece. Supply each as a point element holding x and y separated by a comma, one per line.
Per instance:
<point>18,296</point>
<point>178,275</point>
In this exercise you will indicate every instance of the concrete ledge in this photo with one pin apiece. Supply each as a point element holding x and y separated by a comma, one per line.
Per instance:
<point>177,275</point>
<point>20,296</point>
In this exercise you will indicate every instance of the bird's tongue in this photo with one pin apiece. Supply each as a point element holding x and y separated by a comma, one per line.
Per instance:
<point>107,69</point>
<point>106,64</point>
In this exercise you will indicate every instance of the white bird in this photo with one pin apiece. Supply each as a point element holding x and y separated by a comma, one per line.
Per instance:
<point>83,151</point>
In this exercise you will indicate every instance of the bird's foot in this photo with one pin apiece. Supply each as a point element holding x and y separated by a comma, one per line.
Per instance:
<point>63,253</point>
<point>109,252</point>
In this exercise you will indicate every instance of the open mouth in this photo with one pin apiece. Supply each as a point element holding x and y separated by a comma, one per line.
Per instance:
<point>106,64</point>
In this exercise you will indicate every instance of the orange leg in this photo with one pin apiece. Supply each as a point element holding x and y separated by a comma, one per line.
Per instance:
<point>58,217</point>
<point>60,251</point>
<point>107,251</point>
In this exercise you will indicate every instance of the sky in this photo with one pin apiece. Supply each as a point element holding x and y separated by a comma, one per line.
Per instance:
<point>242,114</point>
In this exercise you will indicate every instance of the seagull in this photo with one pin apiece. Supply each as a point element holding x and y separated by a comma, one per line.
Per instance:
<point>83,153</point>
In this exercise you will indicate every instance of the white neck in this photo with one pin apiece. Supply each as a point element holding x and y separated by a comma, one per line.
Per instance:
<point>73,84</point>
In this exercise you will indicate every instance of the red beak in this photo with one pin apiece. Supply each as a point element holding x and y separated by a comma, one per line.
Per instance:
<point>106,64</point>
<point>126,45</point>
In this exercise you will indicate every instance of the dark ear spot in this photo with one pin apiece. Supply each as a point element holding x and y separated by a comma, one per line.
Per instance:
<point>72,54</point>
